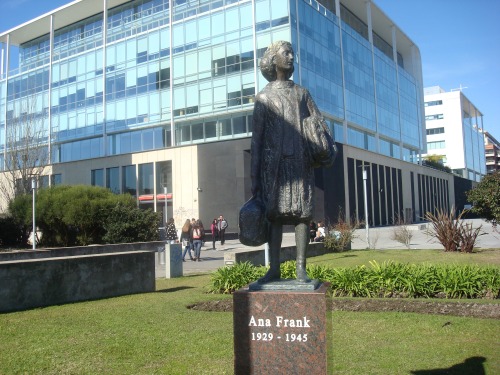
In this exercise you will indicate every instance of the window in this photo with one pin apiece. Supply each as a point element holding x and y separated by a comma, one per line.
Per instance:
<point>146,185</point>
<point>434,117</point>
<point>435,131</point>
<point>129,184</point>
<point>164,176</point>
<point>113,179</point>
<point>433,103</point>
<point>434,145</point>
<point>97,177</point>
<point>55,179</point>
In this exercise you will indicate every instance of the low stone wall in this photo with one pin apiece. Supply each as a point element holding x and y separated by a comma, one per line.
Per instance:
<point>57,280</point>
<point>81,250</point>
<point>258,257</point>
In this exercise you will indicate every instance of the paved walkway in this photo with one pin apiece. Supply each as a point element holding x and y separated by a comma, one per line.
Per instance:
<point>380,238</point>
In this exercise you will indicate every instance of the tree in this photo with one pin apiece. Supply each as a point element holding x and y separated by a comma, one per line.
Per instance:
<point>485,197</point>
<point>27,151</point>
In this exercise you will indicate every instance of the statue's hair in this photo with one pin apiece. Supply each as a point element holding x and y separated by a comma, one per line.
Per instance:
<point>267,65</point>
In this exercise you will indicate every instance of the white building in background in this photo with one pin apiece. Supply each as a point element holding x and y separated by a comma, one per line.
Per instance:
<point>492,148</point>
<point>454,131</point>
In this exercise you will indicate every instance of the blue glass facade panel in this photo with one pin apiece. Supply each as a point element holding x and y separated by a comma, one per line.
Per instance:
<point>387,96</point>
<point>123,89</point>
<point>410,122</point>
<point>358,75</point>
<point>320,57</point>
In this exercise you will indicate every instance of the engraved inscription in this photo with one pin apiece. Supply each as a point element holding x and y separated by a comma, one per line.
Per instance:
<point>279,322</point>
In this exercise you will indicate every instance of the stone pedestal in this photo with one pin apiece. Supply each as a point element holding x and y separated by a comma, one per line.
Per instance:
<point>173,260</point>
<point>280,332</point>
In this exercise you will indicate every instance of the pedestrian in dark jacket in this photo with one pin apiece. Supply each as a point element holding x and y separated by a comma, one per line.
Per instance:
<point>221,227</point>
<point>215,232</point>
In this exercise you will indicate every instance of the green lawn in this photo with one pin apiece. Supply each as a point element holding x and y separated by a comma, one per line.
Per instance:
<point>489,257</point>
<point>155,333</point>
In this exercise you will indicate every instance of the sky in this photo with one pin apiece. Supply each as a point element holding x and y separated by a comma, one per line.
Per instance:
<point>459,42</point>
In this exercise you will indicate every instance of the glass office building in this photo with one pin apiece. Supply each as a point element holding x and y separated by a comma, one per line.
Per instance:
<point>114,78</point>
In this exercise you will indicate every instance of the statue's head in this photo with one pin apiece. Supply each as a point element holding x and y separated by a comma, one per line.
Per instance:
<point>268,64</point>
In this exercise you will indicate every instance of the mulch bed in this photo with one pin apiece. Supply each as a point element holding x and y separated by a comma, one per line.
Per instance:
<point>476,310</point>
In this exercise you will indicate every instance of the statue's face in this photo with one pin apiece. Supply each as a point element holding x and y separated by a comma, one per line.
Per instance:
<point>284,58</point>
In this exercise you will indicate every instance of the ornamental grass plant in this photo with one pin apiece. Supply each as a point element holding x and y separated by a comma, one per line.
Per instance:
<point>452,231</point>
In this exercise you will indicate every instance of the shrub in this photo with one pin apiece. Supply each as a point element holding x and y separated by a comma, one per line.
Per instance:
<point>444,228</point>
<point>468,237</point>
<point>79,215</point>
<point>401,232</point>
<point>131,224</point>
<point>389,279</point>
<point>453,234</point>
<point>288,269</point>
<point>12,233</point>
<point>350,282</point>
<point>21,211</point>
<point>226,280</point>
<point>340,235</point>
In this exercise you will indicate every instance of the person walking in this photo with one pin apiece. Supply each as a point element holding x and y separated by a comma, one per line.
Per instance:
<point>171,231</point>
<point>215,232</point>
<point>221,227</point>
<point>197,234</point>
<point>186,240</point>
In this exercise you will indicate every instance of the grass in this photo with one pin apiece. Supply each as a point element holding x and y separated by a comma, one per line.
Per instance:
<point>400,343</point>
<point>488,257</point>
<point>155,334</point>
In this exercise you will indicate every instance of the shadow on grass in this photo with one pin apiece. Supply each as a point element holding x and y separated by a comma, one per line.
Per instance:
<point>171,290</point>
<point>349,256</point>
<point>471,366</point>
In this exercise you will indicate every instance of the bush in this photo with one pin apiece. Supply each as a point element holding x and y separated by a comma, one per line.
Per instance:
<point>226,280</point>
<point>389,280</point>
<point>12,233</point>
<point>80,215</point>
<point>339,236</point>
<point>131,224</point>
<point>453,234</point>
<point>401,232</point>
<point>21,211</point>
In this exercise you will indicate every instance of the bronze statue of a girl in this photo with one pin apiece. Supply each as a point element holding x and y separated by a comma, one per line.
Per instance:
<point>290,138</point>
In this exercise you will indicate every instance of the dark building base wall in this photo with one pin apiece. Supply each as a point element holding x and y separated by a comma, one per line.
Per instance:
<point>395,188</point>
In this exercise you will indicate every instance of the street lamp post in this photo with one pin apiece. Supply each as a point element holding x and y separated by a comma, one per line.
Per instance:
<point>367,226</point>
<point>33,188</point>
<point>166,213</point>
